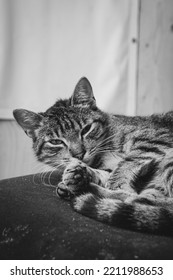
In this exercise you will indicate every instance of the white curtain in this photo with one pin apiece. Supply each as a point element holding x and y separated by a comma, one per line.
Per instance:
<point>46,46</point>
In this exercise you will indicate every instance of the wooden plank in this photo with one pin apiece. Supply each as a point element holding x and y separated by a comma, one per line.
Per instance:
<point>155,88</point>
<point>131,108</point>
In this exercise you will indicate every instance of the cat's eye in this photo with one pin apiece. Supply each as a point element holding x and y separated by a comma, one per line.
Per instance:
<point>86,129</point>
<point>55,142</point>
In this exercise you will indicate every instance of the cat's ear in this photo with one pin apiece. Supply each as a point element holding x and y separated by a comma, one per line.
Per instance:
<point>28,120</point>
<point>83,94</point>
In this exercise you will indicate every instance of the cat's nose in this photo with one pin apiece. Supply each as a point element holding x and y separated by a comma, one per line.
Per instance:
<point>79,154</point>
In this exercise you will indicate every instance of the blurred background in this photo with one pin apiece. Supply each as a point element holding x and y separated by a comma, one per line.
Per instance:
<point>124,47</point>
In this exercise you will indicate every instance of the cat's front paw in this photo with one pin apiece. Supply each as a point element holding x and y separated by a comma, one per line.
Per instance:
<point>75,180</point>
<point>62,191</point>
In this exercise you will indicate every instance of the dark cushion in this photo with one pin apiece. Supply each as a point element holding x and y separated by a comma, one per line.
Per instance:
<point>36,224</point>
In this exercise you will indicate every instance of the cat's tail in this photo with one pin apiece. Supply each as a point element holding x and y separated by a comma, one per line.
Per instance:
<point>134,215</point>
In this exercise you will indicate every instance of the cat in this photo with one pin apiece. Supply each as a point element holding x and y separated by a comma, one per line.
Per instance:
<point>115,169</point>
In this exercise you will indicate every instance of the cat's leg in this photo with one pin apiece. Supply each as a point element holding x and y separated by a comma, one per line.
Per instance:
<point>121,184</point>
<point>79,178</point>
<point>129,178</point>
<point>141,180</point>
<point>110,193</point>
<point>159,190</point>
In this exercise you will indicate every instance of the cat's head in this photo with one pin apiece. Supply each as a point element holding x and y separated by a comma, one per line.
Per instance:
<point>71,128</point>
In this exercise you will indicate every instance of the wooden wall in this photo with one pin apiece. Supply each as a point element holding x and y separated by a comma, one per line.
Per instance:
<point>154,85</point>
<point>155,64</point>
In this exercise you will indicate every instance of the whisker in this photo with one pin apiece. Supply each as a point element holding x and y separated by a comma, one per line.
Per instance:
<point>103,143</point>
<point>49,178</point>
<point>43,177</point>
<point>108,138</point>
<point>46,175</point>
<point>97,151</point>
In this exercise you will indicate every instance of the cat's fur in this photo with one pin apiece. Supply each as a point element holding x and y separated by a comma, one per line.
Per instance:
<point>116,169</point>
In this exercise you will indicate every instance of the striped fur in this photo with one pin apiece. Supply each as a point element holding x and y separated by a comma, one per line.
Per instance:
<point>115,169</point>
<point>135,215</point>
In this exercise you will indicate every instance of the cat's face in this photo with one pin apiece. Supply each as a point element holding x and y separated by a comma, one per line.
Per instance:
<point>73,128</point>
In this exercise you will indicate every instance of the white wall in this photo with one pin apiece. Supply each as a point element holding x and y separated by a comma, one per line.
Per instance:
<point>48,45</point>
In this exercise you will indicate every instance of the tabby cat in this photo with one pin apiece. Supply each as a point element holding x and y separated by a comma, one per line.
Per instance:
<point>116,169</point>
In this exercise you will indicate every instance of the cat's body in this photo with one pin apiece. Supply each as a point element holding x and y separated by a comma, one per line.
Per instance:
<point>116,169</point>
